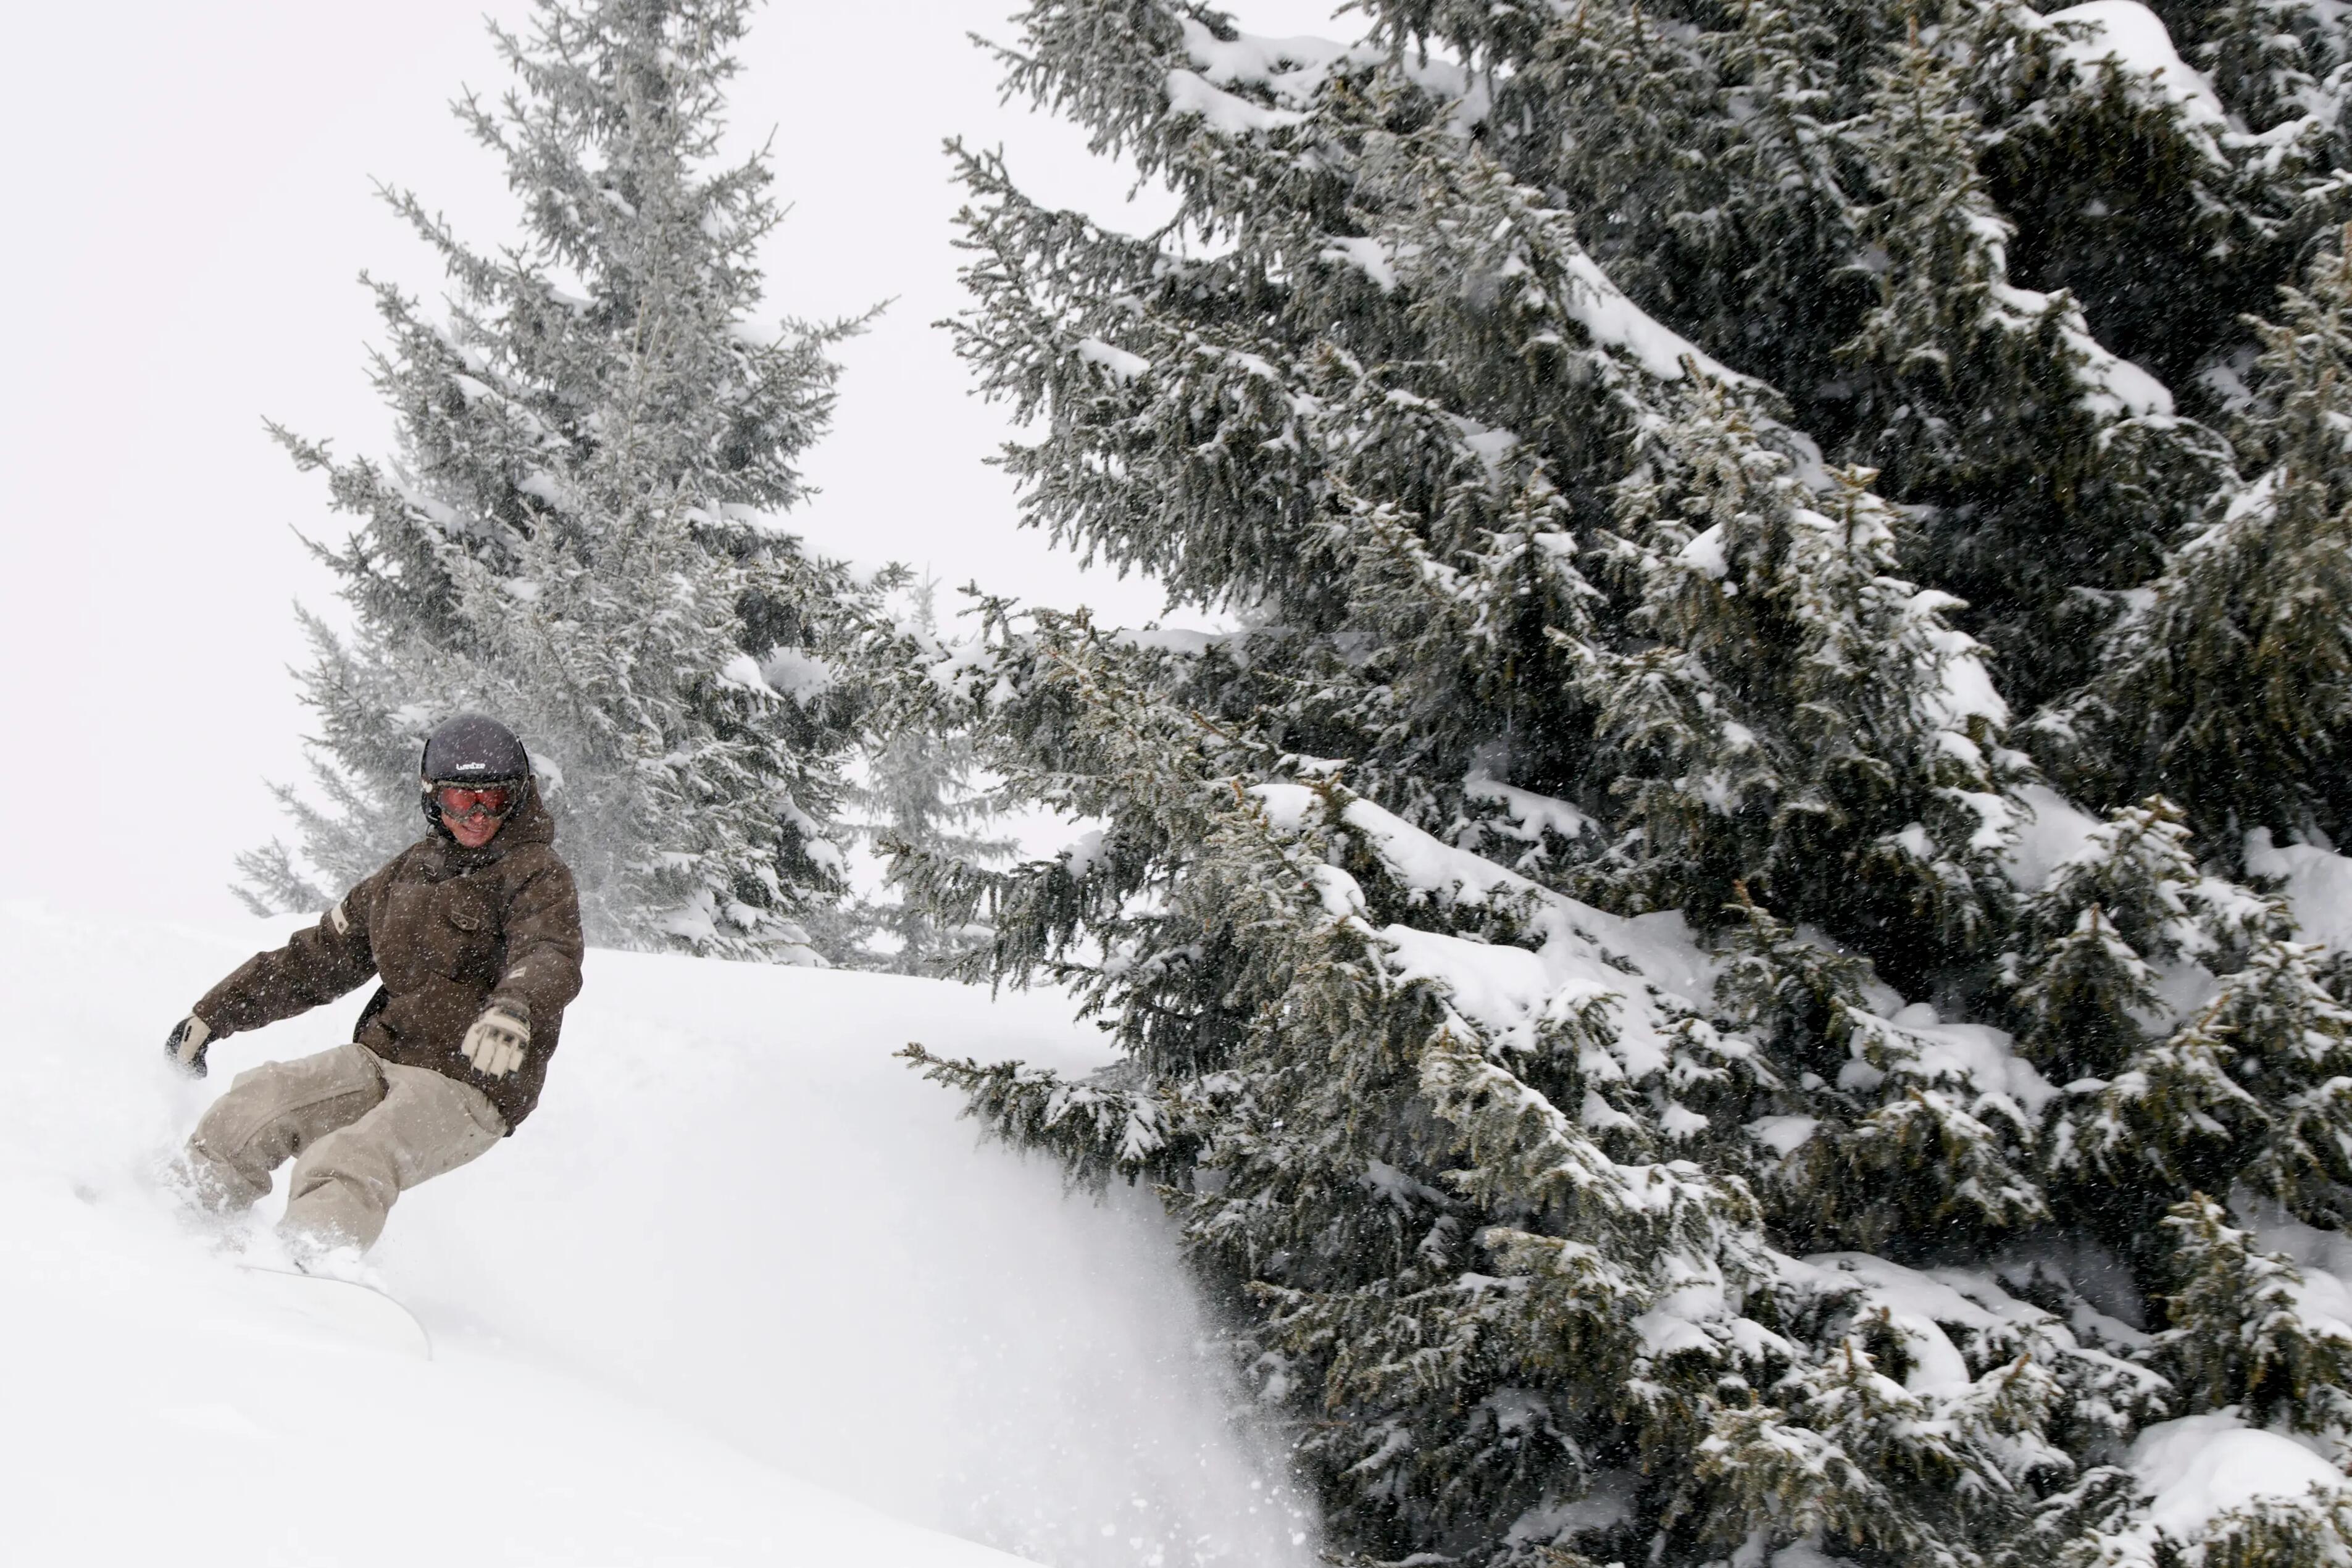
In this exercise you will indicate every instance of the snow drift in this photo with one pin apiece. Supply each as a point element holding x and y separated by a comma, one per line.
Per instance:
<point>741,1290</point>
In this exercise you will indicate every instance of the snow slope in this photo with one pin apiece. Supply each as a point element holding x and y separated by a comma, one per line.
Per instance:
<point>741,1290</point>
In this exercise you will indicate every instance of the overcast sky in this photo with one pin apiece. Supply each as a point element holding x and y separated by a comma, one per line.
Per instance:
<point>191,204</point>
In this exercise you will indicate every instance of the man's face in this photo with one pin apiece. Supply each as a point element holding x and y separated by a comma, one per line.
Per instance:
<point>473,816</point>
<point>473,832</point>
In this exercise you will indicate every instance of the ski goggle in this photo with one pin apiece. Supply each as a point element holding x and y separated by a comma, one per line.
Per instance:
<point>459,802</point>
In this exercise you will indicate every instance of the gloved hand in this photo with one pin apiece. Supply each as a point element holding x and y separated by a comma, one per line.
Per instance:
<point>497,1041</point>
<point>186,1047</point>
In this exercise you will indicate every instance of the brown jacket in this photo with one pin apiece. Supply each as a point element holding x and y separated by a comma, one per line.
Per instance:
<point>450,931</point>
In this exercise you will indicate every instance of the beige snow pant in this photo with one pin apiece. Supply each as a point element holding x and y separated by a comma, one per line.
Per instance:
<point>360,1131</point>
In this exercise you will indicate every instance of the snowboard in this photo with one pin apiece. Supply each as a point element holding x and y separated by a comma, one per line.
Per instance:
<point>343,1311</point>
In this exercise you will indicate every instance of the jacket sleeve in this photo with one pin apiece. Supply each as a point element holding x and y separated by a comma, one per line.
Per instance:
<point>543,946</point>
<point>326,961</point>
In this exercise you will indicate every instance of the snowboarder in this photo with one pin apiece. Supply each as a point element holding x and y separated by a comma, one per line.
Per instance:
<point>475,933</point>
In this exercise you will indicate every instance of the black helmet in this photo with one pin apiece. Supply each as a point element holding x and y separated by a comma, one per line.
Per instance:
<point>471,750</point>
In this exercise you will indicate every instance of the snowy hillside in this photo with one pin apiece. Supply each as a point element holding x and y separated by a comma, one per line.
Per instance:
<point>740,1292</point>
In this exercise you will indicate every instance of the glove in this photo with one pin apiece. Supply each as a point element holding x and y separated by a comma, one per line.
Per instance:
<point>190,1037</point>
<point>497,1041</point>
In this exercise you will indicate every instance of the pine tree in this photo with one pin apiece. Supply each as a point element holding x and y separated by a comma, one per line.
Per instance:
<point>579,532</point>
<point>2241,1334</point>
<point>2265,59</point>
<point>1992,405</point>
<point>1894,1145</point>
<point>1290,1052</point>
<point>2086,988</point>
<point>1841,164</point>
<point>2134,188</point>
<point>2230,686</point>
<point>921,797</point>
<point>1565,948</point>
<point>2249,1091</point>
<point>1821,709</point>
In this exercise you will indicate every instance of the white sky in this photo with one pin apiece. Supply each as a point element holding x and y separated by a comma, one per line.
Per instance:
<point>190,206</point>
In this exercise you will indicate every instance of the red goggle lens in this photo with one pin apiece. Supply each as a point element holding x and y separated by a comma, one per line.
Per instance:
<point>457,800</point>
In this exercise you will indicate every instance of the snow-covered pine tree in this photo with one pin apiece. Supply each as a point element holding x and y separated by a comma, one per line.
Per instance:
<point>921,796</point>
<point>1840,166</point>
<point>2087,984</point>
<point>579,532</point>
<point>2243,1331</point>
<point>1562,949</point>
<point>2041,464</point>
<point>1832,743</point>
<point>2274,64</point>
<point>2229,687</point>
<point>2250,1092</point>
